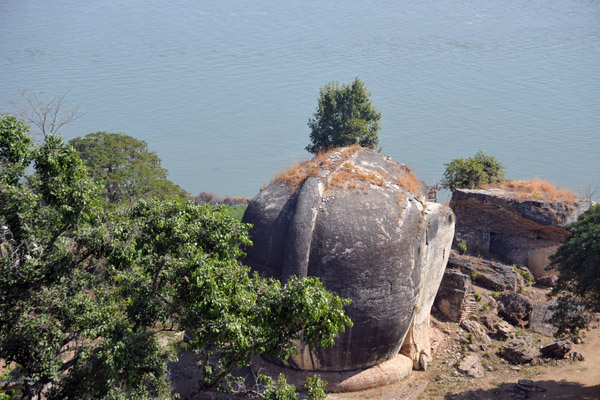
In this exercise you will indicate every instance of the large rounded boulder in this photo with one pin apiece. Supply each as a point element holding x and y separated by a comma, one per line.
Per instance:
<point>357,220</point>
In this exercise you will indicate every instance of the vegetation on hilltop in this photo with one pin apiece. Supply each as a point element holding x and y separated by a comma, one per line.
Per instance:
<point>345,116</point>
<point>473,172</point>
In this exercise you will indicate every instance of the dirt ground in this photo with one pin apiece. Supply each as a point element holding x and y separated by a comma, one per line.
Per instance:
<point>564,379</point>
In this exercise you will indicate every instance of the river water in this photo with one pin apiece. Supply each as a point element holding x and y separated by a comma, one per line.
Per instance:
<point>222,90</point>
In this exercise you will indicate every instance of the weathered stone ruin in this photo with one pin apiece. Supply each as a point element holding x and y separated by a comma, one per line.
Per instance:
<point>514,230</point>
<point>357,220</point>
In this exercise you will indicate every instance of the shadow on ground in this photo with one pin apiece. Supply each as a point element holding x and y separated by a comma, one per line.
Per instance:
<point>562,390</point>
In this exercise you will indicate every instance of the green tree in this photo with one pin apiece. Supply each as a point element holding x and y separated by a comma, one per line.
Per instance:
<point>44,307</point>
<point>344,116</point>
<point>473,172</point>
<point>577,261</point>
<point>85,296</point>
<point>125,167</point>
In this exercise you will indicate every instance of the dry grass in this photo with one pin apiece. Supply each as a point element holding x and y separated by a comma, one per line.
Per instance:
<point>351,177</point>
<point>536,189</point>
<point>408,180</point>
<point>296,174</point>
<point>342,173</point>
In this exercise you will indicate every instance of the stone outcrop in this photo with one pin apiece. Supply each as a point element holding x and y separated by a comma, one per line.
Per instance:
<point>524,232</point>
<point>515,308</point>
<point>455,298</point>
<point>485,273</point>
<point>540,314</point>
<point>357,220</point>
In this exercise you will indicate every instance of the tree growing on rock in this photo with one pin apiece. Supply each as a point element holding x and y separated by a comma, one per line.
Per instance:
<point>344,116</point>
<point>473,172</point>
<point>578,264</point>
<point>125,167</point>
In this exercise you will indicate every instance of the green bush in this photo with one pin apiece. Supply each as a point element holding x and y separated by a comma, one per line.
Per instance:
<point>462,246</point>
<point>495,295</point>
<point>315,388</point>
<point>473,172</point>
<point>473,275</point>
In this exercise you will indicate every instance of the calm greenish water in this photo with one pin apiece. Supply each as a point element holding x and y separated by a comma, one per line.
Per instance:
<point>222,90</point>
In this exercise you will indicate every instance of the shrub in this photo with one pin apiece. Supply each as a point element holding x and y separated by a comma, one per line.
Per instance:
<point>462,246</point>
<point>473,172</point>
<point>473,275</point>
<point>477,297</point>
<point>527,277</point>
<point>495,295</point>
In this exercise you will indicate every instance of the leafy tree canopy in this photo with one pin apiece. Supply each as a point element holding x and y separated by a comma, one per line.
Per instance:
<point>473,172</point>
<point>125,167</point>
<point>85,296</point>
<point>344,116</point>
<point>577,261</point>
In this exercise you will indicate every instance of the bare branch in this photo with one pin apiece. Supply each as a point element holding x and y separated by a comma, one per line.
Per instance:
<point>48,115</point>
<point>589,191</point>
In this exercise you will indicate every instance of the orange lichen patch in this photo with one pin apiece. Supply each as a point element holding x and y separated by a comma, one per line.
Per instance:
<point>536,189</point>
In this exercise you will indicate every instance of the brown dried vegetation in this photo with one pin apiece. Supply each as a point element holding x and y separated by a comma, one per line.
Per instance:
<point>536,189</point>
<point>408,180</point>
<point>296,174</point>
<point>342,173</point>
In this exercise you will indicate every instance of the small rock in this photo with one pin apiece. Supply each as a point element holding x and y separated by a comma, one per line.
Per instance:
<point>504,329</point>
<point>540,315</point>
<point>577,340</point>
<point>516,308</point>
<point>518,350</point>
<point>473,347</point>
<point>529,386</point>
<point>476,330</point>
<point>471,366</point>
<point>577,356</point>
<point>547,280</point>
<point>557,349</point>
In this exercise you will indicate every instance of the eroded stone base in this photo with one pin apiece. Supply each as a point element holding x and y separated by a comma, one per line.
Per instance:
<point>346,381</point>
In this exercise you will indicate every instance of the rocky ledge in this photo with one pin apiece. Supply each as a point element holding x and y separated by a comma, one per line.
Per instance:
<point>519,231</point>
